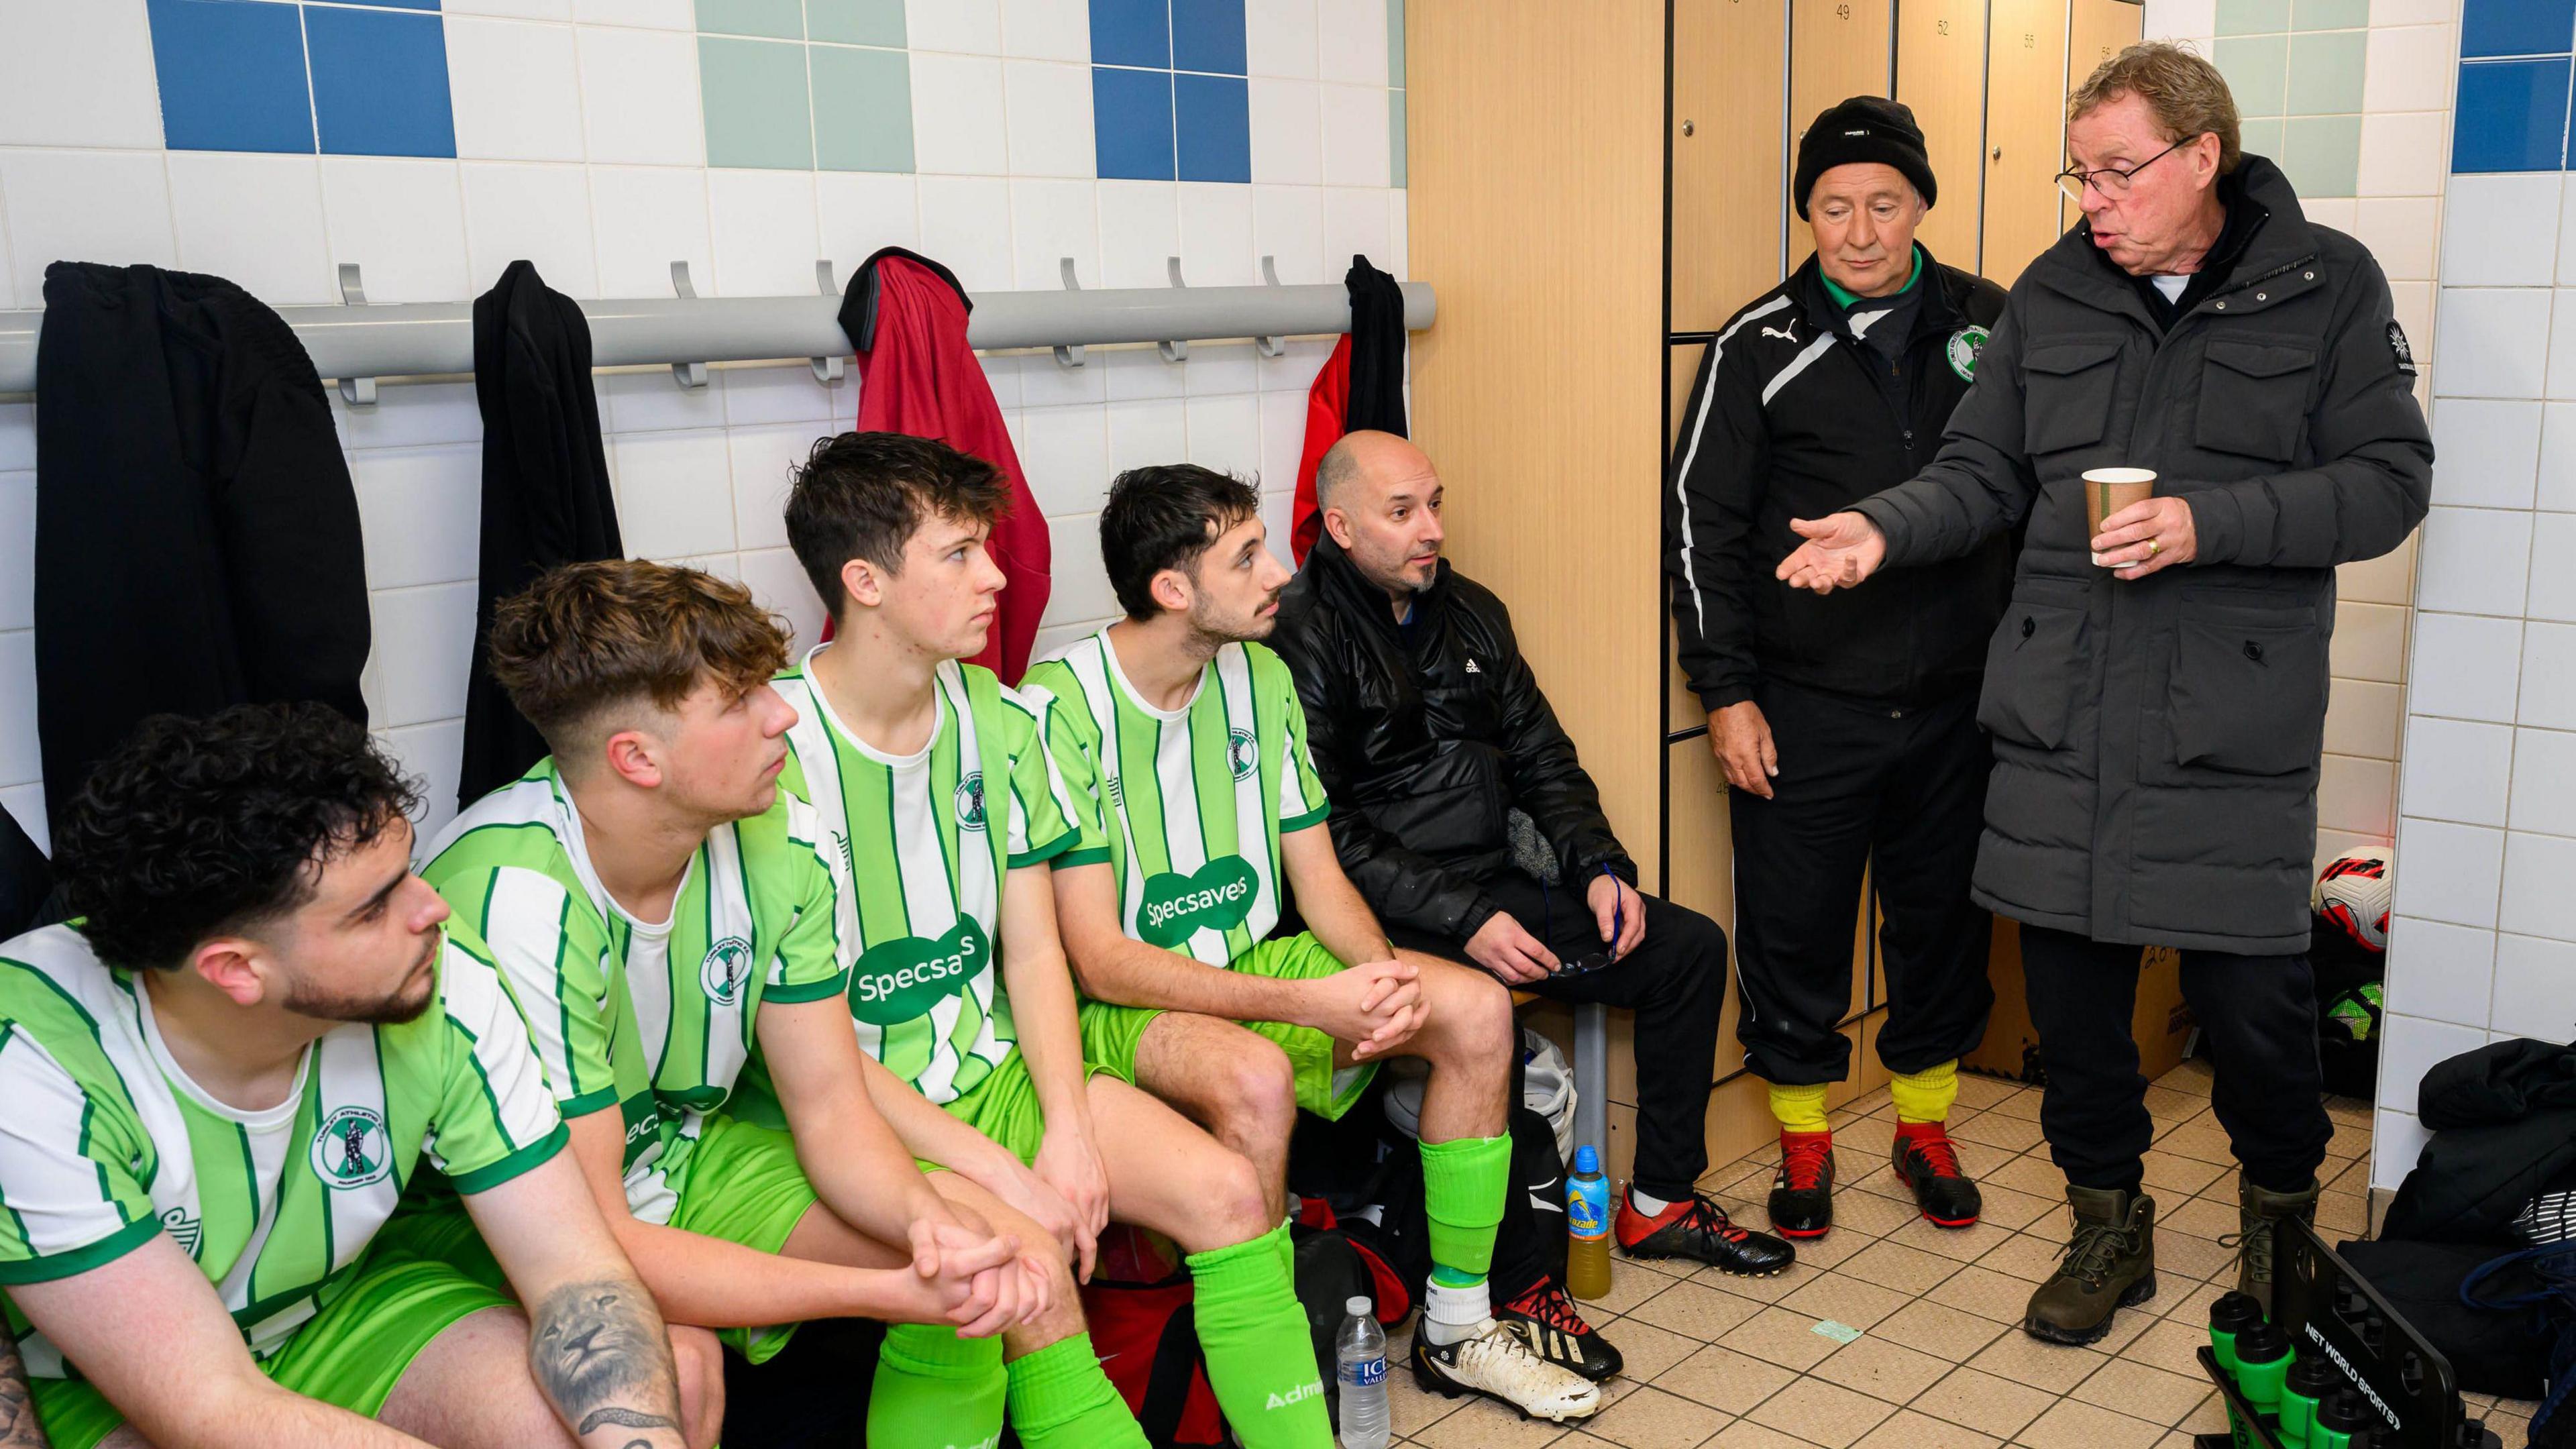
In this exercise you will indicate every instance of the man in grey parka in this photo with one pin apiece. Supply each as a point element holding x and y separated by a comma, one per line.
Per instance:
<point>2157,693</point>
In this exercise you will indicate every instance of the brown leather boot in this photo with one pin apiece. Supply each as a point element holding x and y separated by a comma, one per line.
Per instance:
<point>2110,1264</point>
<point>2257,1210</point>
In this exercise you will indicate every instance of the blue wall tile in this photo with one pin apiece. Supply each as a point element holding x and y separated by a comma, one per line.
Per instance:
<point>1131,120</point>
<point>380,82</point>
<point>1131,32</point>
<point>1207,35</point>
<point>2517,27</point>
<point>2512,116</point>
<point>1213,124</point>
<point>231,76</point>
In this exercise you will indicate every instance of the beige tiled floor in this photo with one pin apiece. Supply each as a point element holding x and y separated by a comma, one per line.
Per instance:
<point>1728,1363</point>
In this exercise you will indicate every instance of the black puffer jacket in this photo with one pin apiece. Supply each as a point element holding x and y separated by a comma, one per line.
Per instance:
<point>1425,737</point>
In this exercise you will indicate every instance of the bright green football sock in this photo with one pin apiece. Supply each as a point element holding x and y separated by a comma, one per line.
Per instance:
<point>1260,1357</point>
<point>1463,1181</point>
<point>935,1390</point>
<point>1060,1399</point>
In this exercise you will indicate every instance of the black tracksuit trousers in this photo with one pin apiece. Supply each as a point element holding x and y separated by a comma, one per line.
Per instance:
<point>2258,1021</point>
<point>1901,794</point>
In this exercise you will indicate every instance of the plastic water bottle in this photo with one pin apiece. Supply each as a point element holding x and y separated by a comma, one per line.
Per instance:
<point>1587,1225</point>
<point>1359,1363</point>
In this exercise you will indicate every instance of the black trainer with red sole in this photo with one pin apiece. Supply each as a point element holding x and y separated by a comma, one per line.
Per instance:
<point>1697,1228</point>
<point>1923,1156</point>
<point>1802,1192</point>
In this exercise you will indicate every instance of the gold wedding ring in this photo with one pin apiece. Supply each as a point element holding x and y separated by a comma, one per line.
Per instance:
<point>2153,548</point>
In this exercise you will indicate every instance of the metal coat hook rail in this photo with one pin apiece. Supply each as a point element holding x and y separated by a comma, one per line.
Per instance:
<point>359,344</point>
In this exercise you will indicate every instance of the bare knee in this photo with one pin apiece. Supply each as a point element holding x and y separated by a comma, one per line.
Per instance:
<point>1257,1097</point>
<point>1471,1020</point>
<point>698,1360</point>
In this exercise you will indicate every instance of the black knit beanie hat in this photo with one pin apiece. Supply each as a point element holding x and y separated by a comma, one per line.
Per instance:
<point>1864,128</point>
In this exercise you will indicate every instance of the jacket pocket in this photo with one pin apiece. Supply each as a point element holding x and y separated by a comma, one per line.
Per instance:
<point>2034,664</point>
<point>2249,687</point>
<point>2254,397</point>
<point>2069,387</point>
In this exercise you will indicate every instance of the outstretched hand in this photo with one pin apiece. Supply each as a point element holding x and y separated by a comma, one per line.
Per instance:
<point>1840,551</point>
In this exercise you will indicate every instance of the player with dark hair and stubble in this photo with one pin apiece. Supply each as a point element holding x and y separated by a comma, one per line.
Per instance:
<point>222,1074</point>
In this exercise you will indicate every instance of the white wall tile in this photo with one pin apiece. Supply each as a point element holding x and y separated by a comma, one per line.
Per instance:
<point>2456,770</point>
<point>1081,589</point>
<point>2492,342</point>
<point>2167,19</point>
<point>674,493</point>
<point>2544,781</point>
<point>658,14</point>
<point>1067,462</point>
<point>1047,30</point>
<point>1141,374</point>
<point>778,582</point>
<point>2553,577</point>
<point>1051,220</point>
<point>1295,368</point>
<point>78,75</point>
<point>2357,796</point>
<point>1279,38</point>
<point>424,644</point>
<point>1354,225</point>
<point>2401,232</point>
<point>2409,1047</point>
<point>2448,872</point>
<point>2466,667</point>
<point>17,551</point>
<point>1225,434</point>
<point>1351,36</point>
<point>1283,445</point>
<point>2534,898</point>
<point>633,402</point>
<point>2549,676</point>
<point>2562,346</point>
<point>1046,383</point>
<point>2473,560</point>
<point>433,754</point>
<point>2535,987</point>
<point>2405,154</point>
<point>1140,226</point>
<point>419,414</point>
<point>1222,369</point>
<point>1049,106</point>
<point>1288,224</point>
<point>515,89</point>
<point>421,512</point>
<point>1355,138</point>
<point>1142,434</point>
<point>17,436</point>
<point>2557,484</point>
<point>20,759</point>
<point>966,223</point>
<point>2489,223</point>
<point>1278,520</point>
<point>762,227</point>
<point>2408,68</point>
<point>957,118</point>
<point>90,206</point>
<point>2440,972</point>
<point>757,397</point>
<point>2396,1140</point>
<point>2332,211</point>
<point>645,218</point>
<point>971,26</point>
<point>1287,132</point>
<point>255,220</point>
<point>2486,451</point>
<point>402,221</point>
<point>763,462</point>
<point>639,97</point>
<point>539,213</point>
<point>1216,235</point>
<point>863,211</point>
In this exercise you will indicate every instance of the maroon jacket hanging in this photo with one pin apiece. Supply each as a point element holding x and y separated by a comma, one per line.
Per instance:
<point>906,318</point>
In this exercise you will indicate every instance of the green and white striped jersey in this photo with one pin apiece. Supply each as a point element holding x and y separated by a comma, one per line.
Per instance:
<point>1186,805</point>
<point>654,1018</point>
<point>921,866</point>
<point>105,1141</point>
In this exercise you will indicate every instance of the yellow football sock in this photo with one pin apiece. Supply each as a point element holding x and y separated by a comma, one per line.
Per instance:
<point>1925,1096</point>
<point>1800,1109</point>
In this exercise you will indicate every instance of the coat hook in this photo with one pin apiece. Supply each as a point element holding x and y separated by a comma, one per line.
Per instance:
<point>827,370</point>
<point>1270,346</point>
<point>358,392</point>
<point>1178,351</point>
<point>1068,356</point>
<point>686,374</point>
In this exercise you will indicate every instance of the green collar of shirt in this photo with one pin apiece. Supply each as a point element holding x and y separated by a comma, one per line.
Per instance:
<point>1844,299</point>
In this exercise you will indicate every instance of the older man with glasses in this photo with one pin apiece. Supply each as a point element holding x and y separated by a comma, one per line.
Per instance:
<point>2157,690</point>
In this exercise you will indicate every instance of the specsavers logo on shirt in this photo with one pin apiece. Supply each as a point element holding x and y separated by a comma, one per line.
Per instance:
<point>898,980</point>
<point>1216,897</point>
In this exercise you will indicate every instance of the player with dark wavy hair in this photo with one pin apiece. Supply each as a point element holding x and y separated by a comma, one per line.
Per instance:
<point>220,1079</point>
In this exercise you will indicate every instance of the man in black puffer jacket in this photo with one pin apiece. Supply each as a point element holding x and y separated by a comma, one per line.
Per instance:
<point>1429,729</point>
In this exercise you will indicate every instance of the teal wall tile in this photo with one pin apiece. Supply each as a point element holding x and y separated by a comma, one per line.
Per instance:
<point>1395,137</point>
<point>2329,14</point>
<point>856,22</point>
<point>2325,73</point>
<point>2240,17</point>
<point>2260,138</point>
<point>2322,155</point>
<point>782,19</point>
<point>754,95</point>
<point>862,109</point>
<point>2257,71</point>
<point>1395,43</point>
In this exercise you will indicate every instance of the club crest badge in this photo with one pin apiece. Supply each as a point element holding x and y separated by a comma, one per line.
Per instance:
<point>1964,346</point>
<point>351,1149</point>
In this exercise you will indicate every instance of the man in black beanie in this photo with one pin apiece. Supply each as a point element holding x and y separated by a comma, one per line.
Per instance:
<point>1846,723</point>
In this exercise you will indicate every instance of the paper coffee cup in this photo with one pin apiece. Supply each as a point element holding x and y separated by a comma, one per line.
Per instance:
<point>2108,490</point>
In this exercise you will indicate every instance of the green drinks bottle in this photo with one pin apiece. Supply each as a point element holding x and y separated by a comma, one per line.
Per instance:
<point>2310,1380</point>
<point>2262,1362</point>
<point>2230,1315</point>
<point>2343,1421</point>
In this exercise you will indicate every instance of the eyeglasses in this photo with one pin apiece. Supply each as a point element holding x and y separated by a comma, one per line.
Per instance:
<point>2110,181</point>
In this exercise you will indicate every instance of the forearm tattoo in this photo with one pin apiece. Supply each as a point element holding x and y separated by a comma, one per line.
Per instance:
<point>600,1355</point>
<point>19,1428</point>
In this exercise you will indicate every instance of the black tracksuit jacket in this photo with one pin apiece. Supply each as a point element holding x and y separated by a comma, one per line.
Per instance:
<point>1794,417</point>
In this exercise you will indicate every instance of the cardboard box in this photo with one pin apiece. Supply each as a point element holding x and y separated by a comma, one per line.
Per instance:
<point>2161,1024</point>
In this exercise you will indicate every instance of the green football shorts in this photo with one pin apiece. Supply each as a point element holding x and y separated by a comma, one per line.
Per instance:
<point>351,1354</point>
<point>1110,1034</point>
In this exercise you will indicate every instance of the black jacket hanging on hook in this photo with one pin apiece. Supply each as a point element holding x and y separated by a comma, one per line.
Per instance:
<point>546,499</point>
<point>197,539</point>
<point>1360,388</point>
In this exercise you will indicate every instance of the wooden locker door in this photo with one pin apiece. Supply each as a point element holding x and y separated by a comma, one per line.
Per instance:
<point>1730,59</point>
<point>2096,31</point>
<point>1837,49</point>
<point>2025,132</point>
<point>1941,75</point>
